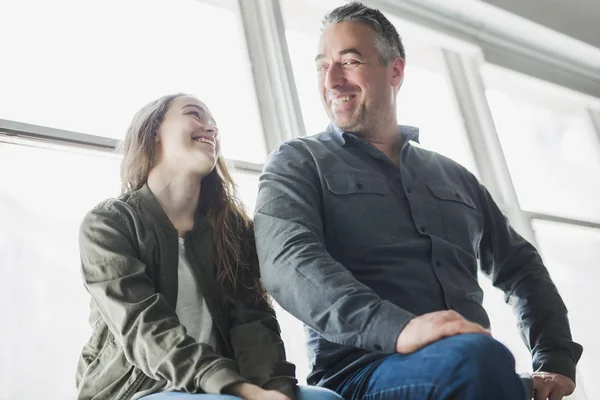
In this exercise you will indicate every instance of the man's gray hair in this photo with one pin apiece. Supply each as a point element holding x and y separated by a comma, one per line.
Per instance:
<point>387,42</point>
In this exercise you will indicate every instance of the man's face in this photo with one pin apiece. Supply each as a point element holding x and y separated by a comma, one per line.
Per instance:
<point>356,90</point>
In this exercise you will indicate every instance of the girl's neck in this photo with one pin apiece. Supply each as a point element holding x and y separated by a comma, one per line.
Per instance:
<point>178,195</point>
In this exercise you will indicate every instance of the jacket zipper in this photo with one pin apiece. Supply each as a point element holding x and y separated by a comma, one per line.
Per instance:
<point>137,383</point>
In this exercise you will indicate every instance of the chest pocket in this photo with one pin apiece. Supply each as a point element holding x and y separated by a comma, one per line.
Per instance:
<point>463,223</point>
<point>362,209</point>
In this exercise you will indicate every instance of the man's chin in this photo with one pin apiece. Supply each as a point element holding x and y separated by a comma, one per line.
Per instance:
<point>347,126</point>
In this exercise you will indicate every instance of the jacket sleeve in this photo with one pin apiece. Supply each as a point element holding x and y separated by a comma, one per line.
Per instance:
<point>259,350</point>
<point>515,267</point>
<point>297,268</point>
<point>141,320</point>
<point>256,336</point>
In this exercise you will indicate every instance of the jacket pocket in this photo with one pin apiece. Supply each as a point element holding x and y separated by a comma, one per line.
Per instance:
<point>364,212</point>
<point>463,223</point>
<point>93,377</point>
<point>105,352</point>
<point>97,341</point>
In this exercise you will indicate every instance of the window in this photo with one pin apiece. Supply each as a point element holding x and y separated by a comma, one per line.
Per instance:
<point>426,100</point>
<point>553,155</point>
<point>550,145</point>
<point>571,254</point>
<point>42,202</point>
<point>504,324</point>
<point>247,186</point>
<point>89,66</point>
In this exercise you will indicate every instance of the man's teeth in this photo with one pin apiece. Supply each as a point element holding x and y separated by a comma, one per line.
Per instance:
<point>344,99</point>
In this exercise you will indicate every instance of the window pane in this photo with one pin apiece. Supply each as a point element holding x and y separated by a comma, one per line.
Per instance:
<point>42,202</point>
<point>44,194</point>
<point>571,254</point>
<point>88,66</point>
<point>302,48</point>
<point>550,145</point>
<point>504,324</point>
<point>425,99</point>
<point>247,186</point>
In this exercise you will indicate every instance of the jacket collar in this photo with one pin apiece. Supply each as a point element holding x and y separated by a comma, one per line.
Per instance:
<point>151,203</point>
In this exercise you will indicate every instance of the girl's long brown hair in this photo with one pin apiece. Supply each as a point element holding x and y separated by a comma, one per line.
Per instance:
<point>233,232</point>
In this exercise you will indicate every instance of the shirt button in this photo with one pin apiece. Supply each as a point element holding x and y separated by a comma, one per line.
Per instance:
<point>408,191</point>
<point>359,186</point>
<point>422,229</point>
<point>438,264</point>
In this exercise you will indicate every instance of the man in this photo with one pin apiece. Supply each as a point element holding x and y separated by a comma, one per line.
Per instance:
<point>373,243</point>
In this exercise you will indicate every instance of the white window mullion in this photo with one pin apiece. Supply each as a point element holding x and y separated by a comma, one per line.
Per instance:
<point>487,150</point>
<point>595,117</point>
<point>272,71</point>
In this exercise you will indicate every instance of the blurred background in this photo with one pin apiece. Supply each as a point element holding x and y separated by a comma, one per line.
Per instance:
<point>508,88</point>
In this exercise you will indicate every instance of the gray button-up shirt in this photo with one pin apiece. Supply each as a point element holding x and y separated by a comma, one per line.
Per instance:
<point>355,247</point>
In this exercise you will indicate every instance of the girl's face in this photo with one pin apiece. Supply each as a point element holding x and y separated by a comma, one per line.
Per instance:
<point>188,138</point>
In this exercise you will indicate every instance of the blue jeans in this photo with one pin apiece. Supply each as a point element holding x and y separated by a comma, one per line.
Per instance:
<point>465,367</point>
<point>303,393</point>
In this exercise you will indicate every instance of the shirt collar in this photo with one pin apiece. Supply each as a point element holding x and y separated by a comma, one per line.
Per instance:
<point>340,136</point>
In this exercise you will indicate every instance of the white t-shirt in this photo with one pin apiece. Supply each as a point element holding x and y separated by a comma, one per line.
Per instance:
<point>193,314</point>
<point>191,308</point>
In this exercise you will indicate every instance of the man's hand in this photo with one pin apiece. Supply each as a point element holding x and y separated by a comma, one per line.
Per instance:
<point>431,327</point>
<point>551,386</point>
<point>248,391</point>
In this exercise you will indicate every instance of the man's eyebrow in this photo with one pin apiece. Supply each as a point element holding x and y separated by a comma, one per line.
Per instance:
<point>350,50</point>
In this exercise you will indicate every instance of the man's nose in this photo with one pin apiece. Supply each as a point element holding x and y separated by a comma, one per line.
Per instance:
<point>334,77</point>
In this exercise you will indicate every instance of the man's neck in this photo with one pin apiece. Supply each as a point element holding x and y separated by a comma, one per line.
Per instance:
<point>388,141</point>
<point>178,195</point>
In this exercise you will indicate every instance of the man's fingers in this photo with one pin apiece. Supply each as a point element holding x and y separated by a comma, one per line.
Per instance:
<point>542,393</point>
<point>556,394</point>
<point>461,326</point>
<point>542,388</point>
<point>428,328</point>
<point>450,315</point>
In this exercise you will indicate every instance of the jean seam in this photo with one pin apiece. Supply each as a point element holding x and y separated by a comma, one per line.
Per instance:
<point>403,387</point>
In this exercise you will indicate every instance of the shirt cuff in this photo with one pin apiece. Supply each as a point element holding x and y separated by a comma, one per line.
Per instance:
<point>285,385</point>
<point>385,327</point>
<point>223,376</point>
<point>555,363</point>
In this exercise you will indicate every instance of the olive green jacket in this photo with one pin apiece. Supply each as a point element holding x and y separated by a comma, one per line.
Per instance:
<point>129,258</point>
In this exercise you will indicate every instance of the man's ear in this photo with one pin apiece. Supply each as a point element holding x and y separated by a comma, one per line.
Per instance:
<point>397,72</point>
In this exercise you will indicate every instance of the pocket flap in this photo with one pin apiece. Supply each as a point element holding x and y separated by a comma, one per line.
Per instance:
<point>355,183</point>
<point>449,194</point>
